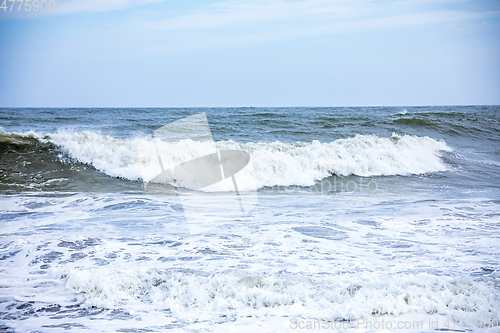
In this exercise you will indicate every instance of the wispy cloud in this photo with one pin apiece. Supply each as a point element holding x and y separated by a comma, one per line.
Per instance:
<point>233,23</point>
<point>399,21</point>
<point>236,12</point>
<point>220,23</point>
<point>317,15</point>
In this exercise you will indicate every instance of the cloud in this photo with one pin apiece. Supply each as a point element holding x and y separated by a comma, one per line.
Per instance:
<point>318,15</point>
<point>405,21</point>
<point>180,34</point>
<point>232,12</point>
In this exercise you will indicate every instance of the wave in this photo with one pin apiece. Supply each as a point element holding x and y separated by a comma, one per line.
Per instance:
<point>415,121</point>
<point>453,124</point>
<point>192,296</point>
<point>275,163</point>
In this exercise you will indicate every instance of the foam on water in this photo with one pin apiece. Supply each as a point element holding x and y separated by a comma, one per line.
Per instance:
<point>276,163</point>
<point>194,296</point>
<point>84,249</point>
<point>83,258</point>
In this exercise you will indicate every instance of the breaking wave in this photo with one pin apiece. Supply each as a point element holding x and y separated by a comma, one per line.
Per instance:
<point>276,163</point>
<point>192,295</point>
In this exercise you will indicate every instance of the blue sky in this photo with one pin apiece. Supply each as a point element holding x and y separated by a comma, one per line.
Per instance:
<point>129,53</point>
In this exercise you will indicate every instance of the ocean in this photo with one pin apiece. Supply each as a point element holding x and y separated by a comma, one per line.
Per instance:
<point>362,218</point>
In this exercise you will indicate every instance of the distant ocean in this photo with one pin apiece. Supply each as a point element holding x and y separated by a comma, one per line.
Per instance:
<point>364,217</point>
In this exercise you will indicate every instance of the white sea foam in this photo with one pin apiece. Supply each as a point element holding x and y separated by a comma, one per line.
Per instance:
<point>277,163</point>
<point>193,296</point>
<point>112,262</point>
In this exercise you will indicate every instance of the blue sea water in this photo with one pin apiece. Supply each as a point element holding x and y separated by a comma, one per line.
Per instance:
<point>352,215</point>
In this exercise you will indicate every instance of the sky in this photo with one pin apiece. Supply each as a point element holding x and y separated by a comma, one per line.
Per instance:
<point>230,53</point>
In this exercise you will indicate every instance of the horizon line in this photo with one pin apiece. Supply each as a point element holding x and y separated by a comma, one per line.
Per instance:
<point>236,107</point>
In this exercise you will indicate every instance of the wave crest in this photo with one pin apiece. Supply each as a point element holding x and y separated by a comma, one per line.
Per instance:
<point>276,163</point>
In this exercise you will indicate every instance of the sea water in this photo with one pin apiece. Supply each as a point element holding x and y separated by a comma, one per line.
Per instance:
<point>359,218</point>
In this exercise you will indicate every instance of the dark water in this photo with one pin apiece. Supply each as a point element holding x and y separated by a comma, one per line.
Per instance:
<point>269,124</point>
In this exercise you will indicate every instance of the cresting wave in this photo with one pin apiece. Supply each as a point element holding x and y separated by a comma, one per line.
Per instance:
<point>193,296</point>
<point>276,163</point>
